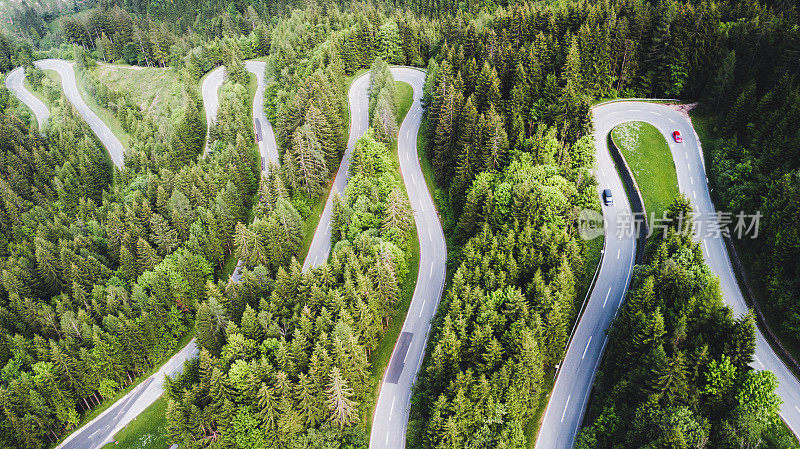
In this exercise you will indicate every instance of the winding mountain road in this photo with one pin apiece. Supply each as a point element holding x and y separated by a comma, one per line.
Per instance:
<point>15,82</point>
<point>391,411</point>
<point>264,135</point>
<point>70,87</point>
<point>101,430</point>
<point>570,395</point>
<point>358,98</point>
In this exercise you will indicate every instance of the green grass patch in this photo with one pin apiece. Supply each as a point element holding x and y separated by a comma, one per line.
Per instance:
<point>108,117</point>
<point>147,431</point>
<point>405,97</point>
<point>651,162</point>
<point>157,92</point>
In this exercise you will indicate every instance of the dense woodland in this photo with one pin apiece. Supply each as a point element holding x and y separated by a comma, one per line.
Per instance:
<point>676,371</point>
<point>105,271</point>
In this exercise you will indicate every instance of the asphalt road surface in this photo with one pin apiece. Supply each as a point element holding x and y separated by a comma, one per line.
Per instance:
<point>265,137</point>
<point>101,430</point>
<point>359,122</point>
<point>391,411</point>
<point>210,90</point>
<point>70,86</point>
<point>568,401</point>
<point>15,82</point>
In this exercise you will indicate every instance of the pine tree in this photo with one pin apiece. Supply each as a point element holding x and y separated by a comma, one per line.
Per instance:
<point>148,257</point>
<point>309,161</point>
<point>398,211</point>
<point>343,410</point>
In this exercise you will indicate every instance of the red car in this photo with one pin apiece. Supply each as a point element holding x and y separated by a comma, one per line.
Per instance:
<point>677,136</point>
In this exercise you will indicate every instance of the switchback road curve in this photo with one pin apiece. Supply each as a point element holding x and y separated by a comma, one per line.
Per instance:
<point>570,394</point>
<point>101,430</point>
<point>15,82</point>
<point>391,411</point>
<point>70,87</point>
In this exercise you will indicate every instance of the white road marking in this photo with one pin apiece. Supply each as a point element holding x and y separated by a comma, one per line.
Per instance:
<point>689,165</point>
<point>603,172</point>
<point>798,409</point>
<point>759,361</point>
<point>587,347</point>
<point>387,437</point>
<point>691,179</point>
<point>90,436</point>
<point>408,157</point>
<point>421,308</point>
<point>607,294</point>
<point>565,408</point>
<point>705,243</point>
<point>431,273</point>
<point>618,251</point>
<point>392,408</point>
<point>694,193</point>
<point>430,237</point>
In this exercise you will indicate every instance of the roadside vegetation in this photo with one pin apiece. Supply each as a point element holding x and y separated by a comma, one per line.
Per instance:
<point>104,271</point>
<point>650,160</point>
<point>147,431</point>
<point>677,364</point>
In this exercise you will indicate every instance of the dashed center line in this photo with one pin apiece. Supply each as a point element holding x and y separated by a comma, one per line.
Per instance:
<point>565,408</point>
<point>606,300</point>
<point>587,347</point>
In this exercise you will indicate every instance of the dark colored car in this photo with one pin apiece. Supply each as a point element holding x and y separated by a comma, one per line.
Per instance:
<point>677,136</point>
<point>608,199</point>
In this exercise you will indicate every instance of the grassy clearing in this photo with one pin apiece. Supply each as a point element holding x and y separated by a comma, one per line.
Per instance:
<point>156,91</point>
<point>405,97</point>
<point>147,431</point>
<point>650,160</point>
